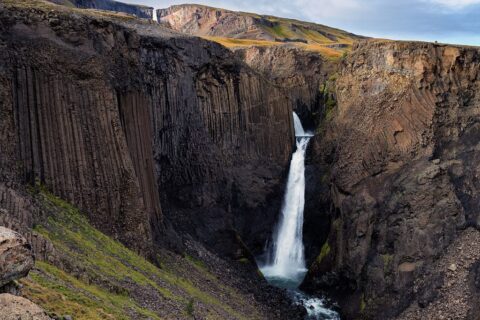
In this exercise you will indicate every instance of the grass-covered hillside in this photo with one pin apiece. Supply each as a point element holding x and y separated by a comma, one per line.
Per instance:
<point>241,29</point>
<point>90,276</point>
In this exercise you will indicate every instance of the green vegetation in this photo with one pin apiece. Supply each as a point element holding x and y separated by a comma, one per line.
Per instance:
<point>363,304</point>
<point>387,260</point>
<point>331,43</point>
<point>190,308</point>
<point>324,252</point>
<point>198,263</point>
<point>244,260</point>
<point>61,294</point>
<point>329,102</point>
<point>337,224</point>
<point>232,43</point>
<point>103,273</point>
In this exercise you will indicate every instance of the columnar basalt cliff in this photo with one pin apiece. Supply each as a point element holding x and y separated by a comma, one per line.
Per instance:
<point>143,130</point>
<point>149,115</point>
<point>171,143</point>
<point>402,152</point>
<point>302,74</point>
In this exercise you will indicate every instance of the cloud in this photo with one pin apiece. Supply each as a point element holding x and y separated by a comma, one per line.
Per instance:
<point>455,4</point>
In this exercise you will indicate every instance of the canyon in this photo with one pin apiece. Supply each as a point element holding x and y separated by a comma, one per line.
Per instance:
<point>146,163</point>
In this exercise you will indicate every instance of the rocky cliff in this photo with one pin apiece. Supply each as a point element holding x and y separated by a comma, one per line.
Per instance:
<point>302,75</point>
<point>110,5</point>
<point>162,140</point>
<point>400,149</point>
<point>149,115</point>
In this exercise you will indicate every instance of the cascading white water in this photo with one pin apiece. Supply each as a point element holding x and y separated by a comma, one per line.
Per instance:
<point>288,261</point>
<point>286,266</point>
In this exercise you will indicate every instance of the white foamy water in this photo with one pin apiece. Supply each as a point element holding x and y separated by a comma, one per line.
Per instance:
<point>286,266</point>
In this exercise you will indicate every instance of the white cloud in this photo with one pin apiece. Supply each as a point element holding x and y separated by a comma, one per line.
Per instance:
<point>455,4</point>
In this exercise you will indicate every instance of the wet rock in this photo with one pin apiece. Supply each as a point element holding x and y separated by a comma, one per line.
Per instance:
<point>18,308</point>
<point>16,257</point>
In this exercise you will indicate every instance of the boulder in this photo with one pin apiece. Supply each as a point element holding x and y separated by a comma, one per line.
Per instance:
<point>16,257</point>
<point>18,308</point>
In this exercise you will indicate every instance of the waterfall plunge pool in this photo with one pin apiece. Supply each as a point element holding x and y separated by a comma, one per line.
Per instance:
<point>285,266</point>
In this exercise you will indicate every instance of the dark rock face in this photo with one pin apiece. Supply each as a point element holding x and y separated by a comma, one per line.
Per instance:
<point>110,5</point>
<point>402,154</point>
<point>302,74</point>
<point>150,116</point>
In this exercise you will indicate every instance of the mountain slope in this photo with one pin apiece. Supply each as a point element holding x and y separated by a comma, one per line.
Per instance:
<point>236,28</point>
<point>109,5</point>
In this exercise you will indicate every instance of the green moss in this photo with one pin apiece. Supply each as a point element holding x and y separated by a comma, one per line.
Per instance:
<point>330,103</point>
<point>387,260</point>
<point>324,252</point>
<point>244,260</point>
<point>197,263</point>
<point>279,30</point>
<point>363,304</point>
<point>333,77</point>
<point>106,266</point>
<point>60,293</point>
<point>337,224</point>
<point>190,308</point>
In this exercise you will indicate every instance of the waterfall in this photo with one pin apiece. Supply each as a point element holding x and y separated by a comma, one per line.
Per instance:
<point>285,267</point>
<point>287,252</point>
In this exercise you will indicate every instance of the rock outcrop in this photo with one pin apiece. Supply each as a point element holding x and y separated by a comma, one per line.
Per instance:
<point>401,150</point>
<point>16,261</point>
<point>110,5</point>
<point>16,256</point>
<point>18,308</point>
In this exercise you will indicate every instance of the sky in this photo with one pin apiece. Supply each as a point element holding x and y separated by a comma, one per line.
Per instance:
<point>446,21</point>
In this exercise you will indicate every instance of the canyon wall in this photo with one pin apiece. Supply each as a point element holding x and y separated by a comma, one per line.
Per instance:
<point>400,152</point>
<point>302,75</point>
<point>138,127</point>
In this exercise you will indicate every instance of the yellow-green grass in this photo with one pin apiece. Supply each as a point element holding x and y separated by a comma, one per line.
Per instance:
<point>99,290</point>
<point>63,294</point>
<point>238,43</point>
<point>323,50</point>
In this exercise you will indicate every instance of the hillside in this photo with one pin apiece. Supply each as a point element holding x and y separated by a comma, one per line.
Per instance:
<point>109,5</point>
<point>241,29</point>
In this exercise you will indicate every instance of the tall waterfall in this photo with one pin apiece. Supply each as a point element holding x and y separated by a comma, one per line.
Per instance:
<point>287,252</point>
<point>286,264</point>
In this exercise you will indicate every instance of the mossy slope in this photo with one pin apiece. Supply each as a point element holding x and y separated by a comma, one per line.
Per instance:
<point>92,276</point>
